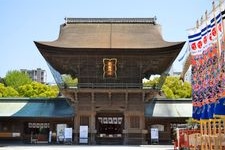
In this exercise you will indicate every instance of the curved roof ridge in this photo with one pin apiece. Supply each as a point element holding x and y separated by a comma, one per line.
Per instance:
<point>110,20</point>
<point>117,33</point>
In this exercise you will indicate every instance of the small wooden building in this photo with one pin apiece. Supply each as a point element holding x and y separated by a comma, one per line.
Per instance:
<point>166,115</point>
<point>31,120</point>
<point>109,57</point>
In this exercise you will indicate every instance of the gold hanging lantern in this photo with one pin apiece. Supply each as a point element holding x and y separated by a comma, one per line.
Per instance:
<point>109,67</point>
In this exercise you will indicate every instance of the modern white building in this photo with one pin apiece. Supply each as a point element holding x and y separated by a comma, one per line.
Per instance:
<point>38,74</point>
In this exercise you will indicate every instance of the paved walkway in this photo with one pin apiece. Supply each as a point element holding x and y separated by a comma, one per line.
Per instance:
<point>78,147</point>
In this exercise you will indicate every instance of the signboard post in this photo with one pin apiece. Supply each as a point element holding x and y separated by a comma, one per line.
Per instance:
<point>83,134</point>
<point>50,137</point>
<point>60,132</point>
<point>154,136</point>
<point>68,133</point>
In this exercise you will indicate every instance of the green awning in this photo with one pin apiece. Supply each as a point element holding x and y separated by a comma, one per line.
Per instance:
<point>20,107</point>
<point>169,108</point>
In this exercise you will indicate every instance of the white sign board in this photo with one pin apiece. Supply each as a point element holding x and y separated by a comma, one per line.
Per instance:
<point>68,133</point>
<point>14,134</point>
<point>83,134</point>
<point>50,136</point>
<point>60,131</point>
<point>154,133</point>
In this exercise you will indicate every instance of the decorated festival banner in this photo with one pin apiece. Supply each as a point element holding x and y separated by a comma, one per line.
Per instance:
<point>219,109</point>
<point>206,43</point>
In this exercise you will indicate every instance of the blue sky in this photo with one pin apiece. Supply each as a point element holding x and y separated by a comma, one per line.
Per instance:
<point>25,21</point>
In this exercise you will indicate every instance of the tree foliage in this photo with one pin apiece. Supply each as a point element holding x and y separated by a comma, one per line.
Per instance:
<point>69,81</point>
<point>36,89</point>
<point>152,83</point>
<point>173,87</point>
<point>19,84</point>
<point>7,91</point>
<point>16,78</point>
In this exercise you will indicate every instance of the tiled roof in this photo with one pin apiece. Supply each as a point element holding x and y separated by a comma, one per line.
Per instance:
<point>50,108</point>
<point>118,33</point>
<point>169,108</point>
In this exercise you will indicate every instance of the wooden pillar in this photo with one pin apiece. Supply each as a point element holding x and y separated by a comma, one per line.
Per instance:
<point>76,119</point>
<point>126,100</point>
<point>110,98</point>
<point>75,97</point>
<point>210,134</point>
<point>215,135</point>
<point>143,96</point>
<point>219,134</point>
<point>125,131</point>
<point>92,129</point>
<point>76,129</point>
<point>202,134</point>
<point>143,129</point>
<point>93,119</point>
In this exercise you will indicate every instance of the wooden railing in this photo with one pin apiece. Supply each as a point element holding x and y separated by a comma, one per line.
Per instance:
<point>105,85</point>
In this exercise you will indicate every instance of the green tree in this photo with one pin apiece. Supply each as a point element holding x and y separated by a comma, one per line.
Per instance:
<point>7,91</point>
<point>36,89</point>
<point>152,83</point>
<point>1,80</point>
<point>173,87</point>
<point>16,78</point>
<point>179,88</point>
<point>69,81</point>
<point>168,92</point>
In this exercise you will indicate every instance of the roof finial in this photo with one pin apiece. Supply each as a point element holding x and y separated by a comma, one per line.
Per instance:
<point>65,20</point>
<point>197,24</point>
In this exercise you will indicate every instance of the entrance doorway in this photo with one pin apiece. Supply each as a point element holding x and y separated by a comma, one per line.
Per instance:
<point>37,132</point>
<point>109,128</point>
